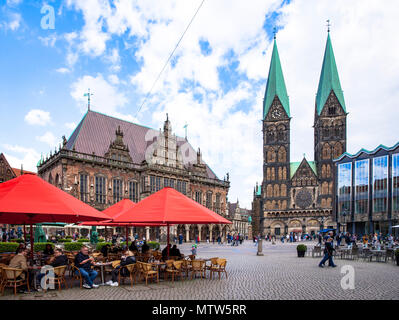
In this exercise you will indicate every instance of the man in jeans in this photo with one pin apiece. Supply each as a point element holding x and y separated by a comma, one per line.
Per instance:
<point>328,252</point>
<point>84,263</point>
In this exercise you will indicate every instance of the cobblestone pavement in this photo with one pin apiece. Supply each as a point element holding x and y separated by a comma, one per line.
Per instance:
<point>279,274</point>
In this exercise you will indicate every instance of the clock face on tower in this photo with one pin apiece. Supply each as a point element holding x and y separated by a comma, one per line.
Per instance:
<point>276,114</point>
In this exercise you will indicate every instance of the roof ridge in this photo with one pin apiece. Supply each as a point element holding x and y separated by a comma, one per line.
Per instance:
<point>362,150</point>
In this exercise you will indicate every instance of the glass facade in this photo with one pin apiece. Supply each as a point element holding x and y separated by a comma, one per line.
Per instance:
<point>395,182</point>
<point>344,187</point>
<point>380,184</point>
<point>362,186</point>
<point>100,189</point>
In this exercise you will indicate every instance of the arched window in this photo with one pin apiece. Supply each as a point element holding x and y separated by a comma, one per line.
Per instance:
<point>269,191</point>
<point>284,173</point>
<point>281,133</point>
<point>273,173</point>
<point>282,155</point>
<point>283,190</point>
<point>280,173</point>
<point>324,188</point>
<point>268,174</point>
<point>328,171</point>
<point>326,151</point>
<point>271,155</point>
<point>337,150</point>
<point>50,179</point>
<point>276,191</point>
<point>271,134</point>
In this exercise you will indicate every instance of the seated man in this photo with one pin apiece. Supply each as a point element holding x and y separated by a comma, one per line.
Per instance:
<point>165,252</point>
<point>133,247</point>
<point>58,260</point>
<point>19,262</point>
<point>127,258</point>
<point>145,247</point>
<point>84,263</point>
<point>105,249</point>
<point>174,252</point>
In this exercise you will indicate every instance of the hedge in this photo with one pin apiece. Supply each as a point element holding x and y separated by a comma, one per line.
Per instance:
<point>72,246</point>
<point>83,240</point>
<point>154,245</point>
<point>8,246</point>
<point>40,246</point>
<point>64,240</point>
<point>17,240</point>
<point>68,237</point>
<point>100,245</point>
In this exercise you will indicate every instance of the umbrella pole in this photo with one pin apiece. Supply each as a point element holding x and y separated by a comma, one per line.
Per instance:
<point>127,237</point>
<point>31,241</point>
<point>24,234</point>
<point>167,241</point>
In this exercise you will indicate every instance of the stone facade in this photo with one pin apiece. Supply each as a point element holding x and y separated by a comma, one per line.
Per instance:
<point>136,163</point>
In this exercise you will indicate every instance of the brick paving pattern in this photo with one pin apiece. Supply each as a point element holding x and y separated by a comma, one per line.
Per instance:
<point>279,274</point>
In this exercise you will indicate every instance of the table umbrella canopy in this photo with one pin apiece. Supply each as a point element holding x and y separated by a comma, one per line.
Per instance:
<point>29,199</point>
<point>170,207</point>
<point>114,211</point>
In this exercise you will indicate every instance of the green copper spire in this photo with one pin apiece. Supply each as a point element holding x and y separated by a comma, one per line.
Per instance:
<point>329,80</point>
<point>275,84</point>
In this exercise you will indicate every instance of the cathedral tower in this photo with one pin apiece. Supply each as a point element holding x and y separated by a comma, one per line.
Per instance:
<point>276,138</point>
<point>329,125</point>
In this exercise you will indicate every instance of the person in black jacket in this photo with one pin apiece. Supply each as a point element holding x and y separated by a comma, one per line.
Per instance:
<point>84,262</point>
<point>145,247</point>
<point>126,259</point>
<point>48,250</point>
<point>328,252</point>
<point>58,260</point>
<point>133,247</point>
<point>105,249</point>
<point>174,252</point>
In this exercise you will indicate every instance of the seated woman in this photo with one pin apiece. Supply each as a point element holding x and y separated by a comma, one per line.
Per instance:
<point>174,252</point>
<point>127,258</point>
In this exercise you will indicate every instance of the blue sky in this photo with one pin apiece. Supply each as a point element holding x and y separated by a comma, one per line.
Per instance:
<point>216,79</point>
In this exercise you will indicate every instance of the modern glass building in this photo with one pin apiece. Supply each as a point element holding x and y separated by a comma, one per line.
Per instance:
<point>367,191</point>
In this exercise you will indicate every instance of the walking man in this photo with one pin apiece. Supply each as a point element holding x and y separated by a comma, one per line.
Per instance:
<point>328,252</point>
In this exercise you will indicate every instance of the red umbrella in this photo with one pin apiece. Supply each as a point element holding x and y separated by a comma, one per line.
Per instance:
<point>116,210</point>
<point>169,206</point>
<point>29,199</point>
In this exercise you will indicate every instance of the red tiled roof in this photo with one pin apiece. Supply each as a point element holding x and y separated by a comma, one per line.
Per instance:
<point>96,131</point>
<point>17,172</point>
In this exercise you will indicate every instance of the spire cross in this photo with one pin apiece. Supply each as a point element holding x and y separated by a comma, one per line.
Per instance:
<point>328,25</point>
<point>88,94</point>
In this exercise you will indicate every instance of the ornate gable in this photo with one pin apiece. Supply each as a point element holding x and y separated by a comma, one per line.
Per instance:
<point>304,175</point>
<point>276,111</point>
<point>117,149</point>
<point>6,172</point>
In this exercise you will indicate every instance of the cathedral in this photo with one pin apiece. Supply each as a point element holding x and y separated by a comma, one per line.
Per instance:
<point>298,196</point>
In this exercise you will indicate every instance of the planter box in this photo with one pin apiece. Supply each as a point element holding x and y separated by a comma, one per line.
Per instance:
<point>301,254</point>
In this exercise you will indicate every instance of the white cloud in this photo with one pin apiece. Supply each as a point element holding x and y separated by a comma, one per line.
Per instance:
<point>13,22</point>
<point>18,155</point>
<point>38,117</point>
<point>49,139</point>
<point>70,125</point>
<point>63,70</point>
<point>49,41</point>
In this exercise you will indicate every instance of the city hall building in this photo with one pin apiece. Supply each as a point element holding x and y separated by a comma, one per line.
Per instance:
<point>107,159</point>
<point>367,191</point>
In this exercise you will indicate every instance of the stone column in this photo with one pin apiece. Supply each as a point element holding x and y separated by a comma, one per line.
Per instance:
<point>187,228</point>
<point>147,233</point>
<point>210,232</point>
<point>199,231</point>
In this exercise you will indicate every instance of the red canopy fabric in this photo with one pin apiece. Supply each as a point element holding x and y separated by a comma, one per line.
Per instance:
<point>29,199</point>
<point>170,207</point>
<point>116,210</point>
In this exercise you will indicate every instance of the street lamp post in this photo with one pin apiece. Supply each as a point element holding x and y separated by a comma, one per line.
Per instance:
<point>260,240</point>
<point>344,216</point>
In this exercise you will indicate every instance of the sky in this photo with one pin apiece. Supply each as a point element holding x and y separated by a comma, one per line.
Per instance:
<point>51,52</point>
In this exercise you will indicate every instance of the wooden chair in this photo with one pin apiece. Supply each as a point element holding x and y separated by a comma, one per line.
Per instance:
<point>214,262</point>
<point>175,269</point>
<point>76,275</point>
<point>219,268</point>
<point>148,272</point>
<point>186,266</point>
<point>10,280</point>
<point>59,276</point>
<point>198,266</point>
<point>191,256</point>
<point>132,271</point>
<point>2,279</point>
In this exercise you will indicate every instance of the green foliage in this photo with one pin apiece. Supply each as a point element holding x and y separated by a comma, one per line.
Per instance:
<point>64,240</point>
<point>17,240</point>
<point>301,247</point>
<point>72,246</point>
<point>8,246</point>
<point>84,240</point>
<point>100,245</point>
<point>154,245</point>
<point>40,246</point>
<point>68,237</point>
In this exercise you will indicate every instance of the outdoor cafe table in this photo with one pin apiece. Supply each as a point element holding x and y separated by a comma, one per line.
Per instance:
<point>35,271</point>
<point>101,266</point>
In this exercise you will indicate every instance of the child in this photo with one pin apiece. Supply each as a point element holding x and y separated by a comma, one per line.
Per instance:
<point>194,250</point>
